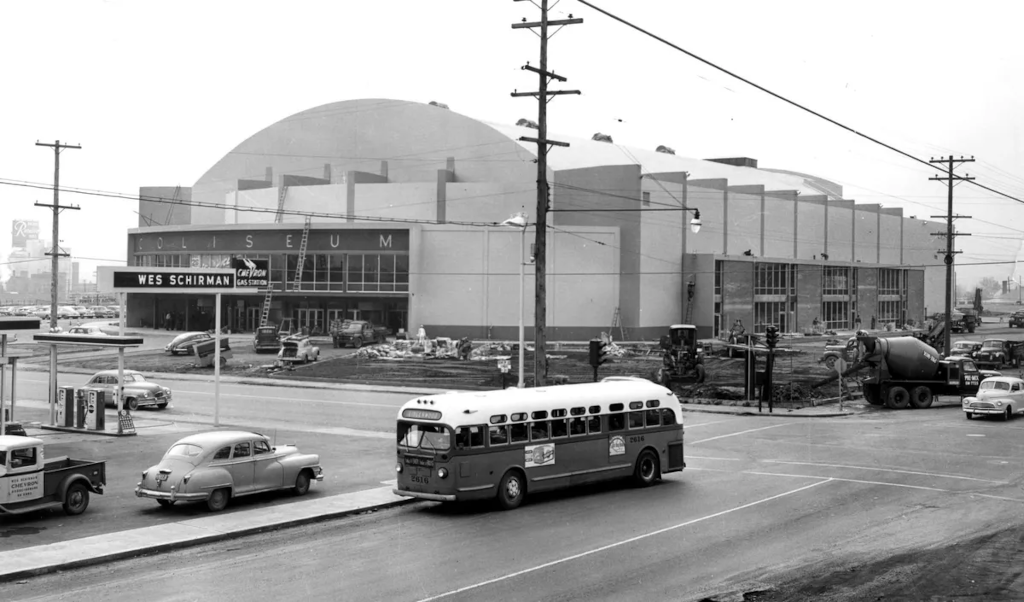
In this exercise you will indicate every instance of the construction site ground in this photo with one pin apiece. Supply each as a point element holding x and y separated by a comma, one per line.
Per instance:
<point>797,367</point>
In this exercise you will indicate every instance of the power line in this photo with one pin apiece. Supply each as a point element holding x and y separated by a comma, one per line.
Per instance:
<point>783,98</point>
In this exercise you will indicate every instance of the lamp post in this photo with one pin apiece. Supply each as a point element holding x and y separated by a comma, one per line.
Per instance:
<point>521,221</point>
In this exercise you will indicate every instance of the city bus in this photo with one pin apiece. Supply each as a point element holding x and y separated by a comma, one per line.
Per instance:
<point>461,446</point>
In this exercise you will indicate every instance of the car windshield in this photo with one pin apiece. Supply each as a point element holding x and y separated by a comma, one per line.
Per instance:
<point>992,345</point>
<point>136,377</point>
<point>184,450</point>
<point>423,436</point>
<point>998,385</point>
<point>352,327</point>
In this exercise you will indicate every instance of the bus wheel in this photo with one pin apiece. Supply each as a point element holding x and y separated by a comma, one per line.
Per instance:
<point>512,490</point>
<point>646,472</point>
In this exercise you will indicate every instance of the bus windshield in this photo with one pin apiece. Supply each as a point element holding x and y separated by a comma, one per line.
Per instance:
<point>424,436</point>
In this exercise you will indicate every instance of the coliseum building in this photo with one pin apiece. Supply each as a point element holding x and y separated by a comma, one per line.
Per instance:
<point>393,210</point>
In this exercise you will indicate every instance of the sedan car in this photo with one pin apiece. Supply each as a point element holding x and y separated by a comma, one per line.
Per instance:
<point>87,331</point>
<point>183,342</point>
<point>998,396</point>
<point>298,349</point>
<point>967,348</point>
<point>138,391</point>
<point>215,466</point>
<point>1017,319</point>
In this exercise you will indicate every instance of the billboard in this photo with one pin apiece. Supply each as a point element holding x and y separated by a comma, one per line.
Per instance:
<point>22,231</point>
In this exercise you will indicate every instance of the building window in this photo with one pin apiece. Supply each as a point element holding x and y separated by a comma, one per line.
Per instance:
<point>835,281</point>
<point>384,273</point>
<point>646,199</point>
<point>771,279</point>
<point>767,313</point>
<point>835,315</point>
<point>718,277</point>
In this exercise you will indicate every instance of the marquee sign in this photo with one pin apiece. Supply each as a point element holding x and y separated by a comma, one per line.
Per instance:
<point>111,279</point>
<point>251,272</point>
<point>270,241</point>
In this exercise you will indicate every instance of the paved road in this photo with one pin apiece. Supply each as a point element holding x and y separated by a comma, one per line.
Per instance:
<point>762,495</point>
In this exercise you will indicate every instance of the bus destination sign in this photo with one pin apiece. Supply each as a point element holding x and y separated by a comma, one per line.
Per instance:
<point>421,414</point>
<point>192,279</point>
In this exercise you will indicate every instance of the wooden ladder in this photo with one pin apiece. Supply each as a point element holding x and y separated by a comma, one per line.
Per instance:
<point>297,283</point>
<point>265,313</point>
<point>617,323</point>
<point>282,195</point>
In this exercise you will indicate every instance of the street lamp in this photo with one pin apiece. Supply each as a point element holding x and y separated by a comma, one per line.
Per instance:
<point>695,223</point>
<point>521,220</point>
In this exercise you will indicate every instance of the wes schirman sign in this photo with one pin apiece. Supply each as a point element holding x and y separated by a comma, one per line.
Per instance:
<point>192,279</point>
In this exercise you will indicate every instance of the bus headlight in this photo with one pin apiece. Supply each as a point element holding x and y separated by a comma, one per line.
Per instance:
<point>442,472</point>
<point>398,467</point>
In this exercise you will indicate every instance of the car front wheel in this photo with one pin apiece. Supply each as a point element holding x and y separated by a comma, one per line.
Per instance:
<point>301,483</point>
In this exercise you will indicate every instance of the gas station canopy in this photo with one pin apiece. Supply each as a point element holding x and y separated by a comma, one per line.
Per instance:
<point>88,340</point>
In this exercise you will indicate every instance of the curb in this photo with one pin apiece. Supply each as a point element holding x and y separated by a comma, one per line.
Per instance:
<point>199,540</point>
<point>781,414</point>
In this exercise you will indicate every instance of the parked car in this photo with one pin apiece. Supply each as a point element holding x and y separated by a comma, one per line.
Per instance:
<point>1017,319</point>
<point>298,349</point>
<point>1001,396</point>
<point>87,331</point>
<point>999,352</point>
<point>266,339</point>
<point>138,391</point>
<point>65,312</point>
<point>115,311</point>
<point>216,466</point>
<point>84,312</point>
<point>183,342</point>
<point>15,429</point>
<point>967,348</point>
<point>101,312</point>
<point>357,333</point>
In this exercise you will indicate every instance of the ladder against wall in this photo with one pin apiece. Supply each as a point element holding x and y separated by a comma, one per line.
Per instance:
<point>297,283</point>
<point>617,323</point>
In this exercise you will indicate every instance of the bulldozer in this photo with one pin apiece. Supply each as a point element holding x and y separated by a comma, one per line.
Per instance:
<point>682,356</point>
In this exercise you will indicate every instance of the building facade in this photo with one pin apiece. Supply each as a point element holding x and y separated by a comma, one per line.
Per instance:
<point>404,203</point>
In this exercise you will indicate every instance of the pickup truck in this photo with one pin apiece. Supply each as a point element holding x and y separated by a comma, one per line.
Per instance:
<point>357,333</point>
<point>29,483</point>
<point>999,352</point>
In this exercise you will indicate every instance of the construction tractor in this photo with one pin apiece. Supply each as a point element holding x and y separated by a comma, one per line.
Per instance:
<point>682,357</point>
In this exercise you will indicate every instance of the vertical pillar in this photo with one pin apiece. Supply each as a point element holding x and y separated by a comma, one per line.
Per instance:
<point>216,361</point>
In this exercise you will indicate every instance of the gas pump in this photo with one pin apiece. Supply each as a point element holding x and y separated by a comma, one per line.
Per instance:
<point>66,406</point>
<point>94,416</point>
<point>81,408</point>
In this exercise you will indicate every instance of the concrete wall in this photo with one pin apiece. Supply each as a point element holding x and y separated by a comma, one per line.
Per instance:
<point>467,282</point>
<point>159,213</point>
<point>890,244</point>
<point>489,201</point>
<point>840,230</point>
<point>808,296</point>
<point>810,242</point>
<point>915,304</point>
<point>709,197</point>
<point>744,224</point>
<point>779,227</point>
<point>701,269</point>
<point>661,248</point>
<point>867,295</point>
<point>865,223</point>
<point>737,293</point>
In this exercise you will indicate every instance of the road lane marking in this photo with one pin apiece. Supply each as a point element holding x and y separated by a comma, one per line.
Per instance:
<point>860,481</point>
<point>689,457</point>
<point>927,474</point>
<point>774,426</point>
<point>691,426</point>
<point>620,543</point>
<point>975,435</point>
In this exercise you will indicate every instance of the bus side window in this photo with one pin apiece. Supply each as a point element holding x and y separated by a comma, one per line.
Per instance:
<point>668,416</point>
<point>594,424</point>
<point>498,434</point>
<point>539,430</point>
<point>616,422</point>
<point>469,436</point>
<point>653,418</point>
<point>636,420</point>
<point>519,432</point>
<point>559,428</point>
<point>578,426</point>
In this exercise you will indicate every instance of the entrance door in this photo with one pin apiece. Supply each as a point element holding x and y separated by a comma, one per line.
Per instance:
<point>252,318</point>
<point>353,314</point>
<point>310,319</point>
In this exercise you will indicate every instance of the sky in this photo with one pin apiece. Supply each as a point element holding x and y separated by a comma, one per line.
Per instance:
<point>156,93</point>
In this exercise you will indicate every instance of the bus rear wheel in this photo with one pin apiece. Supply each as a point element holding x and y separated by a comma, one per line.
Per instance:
<point>647,470</point>
<point>512,490</point>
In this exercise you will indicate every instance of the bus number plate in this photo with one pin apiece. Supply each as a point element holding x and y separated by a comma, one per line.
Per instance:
<point>637,439</point>
<point>421,480</point>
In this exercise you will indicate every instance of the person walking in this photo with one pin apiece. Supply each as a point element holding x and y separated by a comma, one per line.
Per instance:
<point>168,321</point>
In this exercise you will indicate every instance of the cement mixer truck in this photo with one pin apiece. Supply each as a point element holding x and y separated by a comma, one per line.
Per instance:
<point>906,371</point>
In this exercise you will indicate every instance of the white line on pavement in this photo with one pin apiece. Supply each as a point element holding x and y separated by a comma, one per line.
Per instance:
<point>927,474</point>
<point>691,426</point>
<point>740,433</point>
<point>621,543</point>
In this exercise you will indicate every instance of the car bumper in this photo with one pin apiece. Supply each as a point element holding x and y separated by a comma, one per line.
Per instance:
<point>171,496</point>
<point>434,497</point>
<point>985,410</point>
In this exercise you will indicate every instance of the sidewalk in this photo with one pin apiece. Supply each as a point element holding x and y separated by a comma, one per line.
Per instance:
<point>823,411</point>
<point>25,562</point>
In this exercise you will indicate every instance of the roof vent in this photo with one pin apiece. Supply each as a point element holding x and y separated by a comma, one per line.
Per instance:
<point>438,104</point>
<point>668,150</point>
<point>527,123</point>
<point>737,161</point>
<point>602,138</point>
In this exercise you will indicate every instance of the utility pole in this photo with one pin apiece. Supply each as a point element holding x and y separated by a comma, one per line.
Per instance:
<point>543,194</point>
<point>55,256</point>
<point>950,178</point>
